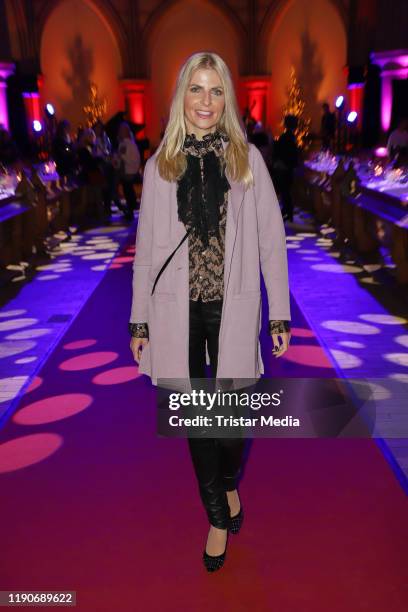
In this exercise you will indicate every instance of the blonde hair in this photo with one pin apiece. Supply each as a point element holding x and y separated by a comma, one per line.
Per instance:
<point>171,160</point>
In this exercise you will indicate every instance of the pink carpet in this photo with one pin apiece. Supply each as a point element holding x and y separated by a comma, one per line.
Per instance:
<point>93,501</point>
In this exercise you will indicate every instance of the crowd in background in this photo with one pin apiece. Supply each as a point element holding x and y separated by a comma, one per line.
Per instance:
<point>99,163</point>
<point>90,158</point>
<point>113,164</point>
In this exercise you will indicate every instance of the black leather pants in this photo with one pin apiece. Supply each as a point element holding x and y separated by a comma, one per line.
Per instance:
<point>217,461</point>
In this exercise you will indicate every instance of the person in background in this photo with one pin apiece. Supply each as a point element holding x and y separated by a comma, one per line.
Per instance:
<point>102,147</point>
<point>328,127</point>
<point>398,140</point>
<point>286,156</point>
<point>88,162</point>
<point>263,142</point>
<point>102,150</point>
<point>249,120</point>
<point>63,151</point>
<point>129,160</point>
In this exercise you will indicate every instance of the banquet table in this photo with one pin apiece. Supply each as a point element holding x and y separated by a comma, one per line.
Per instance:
<point>367,205</point>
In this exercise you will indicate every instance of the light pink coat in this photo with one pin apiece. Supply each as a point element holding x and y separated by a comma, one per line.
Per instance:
<point>255,239</point>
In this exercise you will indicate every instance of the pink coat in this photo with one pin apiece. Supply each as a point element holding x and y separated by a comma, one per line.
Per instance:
<point>254,241</point>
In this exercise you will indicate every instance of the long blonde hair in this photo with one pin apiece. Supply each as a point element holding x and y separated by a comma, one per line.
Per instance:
<point>171,160</point>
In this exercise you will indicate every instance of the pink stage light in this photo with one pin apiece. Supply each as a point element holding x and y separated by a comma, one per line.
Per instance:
<point>117,376</point>
<point>88,361</point>
<point>308,355</point>
<point>302,332</point>
<point>27,450</point>
<point>35,383</point>
<point>79,344</point>
<point>381,152</point>
<point>52,409</point>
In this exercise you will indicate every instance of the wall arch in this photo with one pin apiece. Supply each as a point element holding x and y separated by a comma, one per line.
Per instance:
<point>312,37</point>
<point>163,9</point>
<point>275,12</point>
<point>78,47</point>
<point>105,11</point>
<point>176,35</point>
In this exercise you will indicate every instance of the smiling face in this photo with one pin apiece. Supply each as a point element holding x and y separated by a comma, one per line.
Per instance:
<point>204,102</point>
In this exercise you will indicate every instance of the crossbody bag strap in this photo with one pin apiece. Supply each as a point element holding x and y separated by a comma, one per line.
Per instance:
<point>166,263</point>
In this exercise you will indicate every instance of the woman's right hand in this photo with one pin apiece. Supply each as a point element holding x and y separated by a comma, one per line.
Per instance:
<point>137,345</point>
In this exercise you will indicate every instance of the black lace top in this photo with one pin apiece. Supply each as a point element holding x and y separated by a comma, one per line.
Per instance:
<point>206,254</point>
<point>206,210</point>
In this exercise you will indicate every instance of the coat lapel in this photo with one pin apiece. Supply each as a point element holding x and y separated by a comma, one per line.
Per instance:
<point>236,196</point>
<point>235,200</point>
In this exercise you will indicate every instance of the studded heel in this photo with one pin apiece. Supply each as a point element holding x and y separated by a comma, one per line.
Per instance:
<point>212,564</point>
<point>235,522</point>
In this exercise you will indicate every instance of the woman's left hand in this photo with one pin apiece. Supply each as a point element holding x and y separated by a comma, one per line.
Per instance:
<point>280,348</point>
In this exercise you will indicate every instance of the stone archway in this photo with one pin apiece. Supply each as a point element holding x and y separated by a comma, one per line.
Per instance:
<point>163,10</point>
<point>312,37</point>
<point>274,13</point>
<point>105,12</point>
<point>78,46</point>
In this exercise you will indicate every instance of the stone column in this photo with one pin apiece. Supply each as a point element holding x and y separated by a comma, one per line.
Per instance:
<point>394,65</point>
<point>6,69</point>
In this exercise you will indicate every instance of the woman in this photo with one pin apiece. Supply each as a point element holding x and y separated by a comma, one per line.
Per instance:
<point>206,180</point>
<point>129,157</point>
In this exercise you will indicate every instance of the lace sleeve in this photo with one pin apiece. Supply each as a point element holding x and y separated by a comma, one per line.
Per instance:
<point>139,330</point>
<point>279,327</point>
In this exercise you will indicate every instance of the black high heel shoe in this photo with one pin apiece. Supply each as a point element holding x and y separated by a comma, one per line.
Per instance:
<point>214,563</point>
<point>236,522</point>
